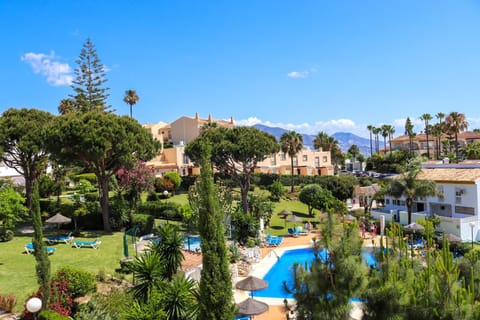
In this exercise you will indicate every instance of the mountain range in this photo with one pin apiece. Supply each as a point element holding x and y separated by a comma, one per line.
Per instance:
<point>345,139</point>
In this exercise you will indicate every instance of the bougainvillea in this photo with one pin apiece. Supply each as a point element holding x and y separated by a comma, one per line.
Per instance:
<point>134,181</point>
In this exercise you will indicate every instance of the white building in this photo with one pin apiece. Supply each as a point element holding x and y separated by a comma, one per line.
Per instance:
<point>457,201</point>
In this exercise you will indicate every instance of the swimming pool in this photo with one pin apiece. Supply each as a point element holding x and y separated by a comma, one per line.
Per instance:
<point>282,271</point>
<point>191,243</point>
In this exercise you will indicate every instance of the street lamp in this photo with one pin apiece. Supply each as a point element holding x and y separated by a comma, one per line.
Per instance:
<point>472,225</point>
<point>34,305</point>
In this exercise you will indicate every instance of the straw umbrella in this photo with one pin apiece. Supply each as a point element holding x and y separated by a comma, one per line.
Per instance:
<point>284,214</point>
<point>58,219</point>
<point>251,307</point>
<point>294,219</point>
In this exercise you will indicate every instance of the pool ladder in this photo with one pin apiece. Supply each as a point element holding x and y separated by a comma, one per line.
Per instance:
<point>273,251</point>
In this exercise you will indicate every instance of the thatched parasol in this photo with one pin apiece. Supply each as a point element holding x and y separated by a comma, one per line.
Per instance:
<point>252,307</point>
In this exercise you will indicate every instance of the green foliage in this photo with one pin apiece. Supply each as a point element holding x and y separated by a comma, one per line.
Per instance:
<point>104,142</point>
<point>245,226</point>
<point>291,143</point>
<point>6,235</point>
<point>46,186</point>
<point>89,176</point>
<point>179,299</point>
<point>144,222</point>
<point>148,275</point>
<point>309,195</point>
<point>79,282</point>
<point>277,190</point>
<point>23,134</point>
<point>90,95</point>
<point>153,196</point>
<point>169,249</point>
<point>160,209</point>
<point>105,306</point>
<point>236,151</point>
<point>51,315</point>
<point>42,267</point>
<point>216,297</point>
<point>175,178</point>
<point>12,209</point>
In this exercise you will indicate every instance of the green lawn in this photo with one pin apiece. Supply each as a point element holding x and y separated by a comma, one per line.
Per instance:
<point>277,223</point>
<point>17,269</point>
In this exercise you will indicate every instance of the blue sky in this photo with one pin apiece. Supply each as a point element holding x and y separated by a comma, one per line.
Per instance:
<point>308,66</point>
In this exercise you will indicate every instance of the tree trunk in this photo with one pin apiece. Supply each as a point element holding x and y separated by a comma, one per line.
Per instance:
<point>409,203</point>
<point>104,203</point>
<point>293,181</point>
<point>29,182</point>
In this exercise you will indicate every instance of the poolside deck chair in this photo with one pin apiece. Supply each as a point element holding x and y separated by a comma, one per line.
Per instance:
<point>66,239</point>
<point>292,232</point>
<point>95,244</point>
<point>30,249</point>
<point>274,241</point>
<point>300,231</point>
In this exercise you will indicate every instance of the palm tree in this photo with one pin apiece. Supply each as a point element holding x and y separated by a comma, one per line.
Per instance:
<point>146,269</point>
<point>169,250</point>
<point>291,143</point>
<point>376,132</point>
<point>370,129</point>
<point>440,125</point>
<point>427,117</point>
<point>457,123</point>
<point>179,299</point>
<point>384,133</point>
<point>409,187</point>
<point>437,133</point>
<point>131,98</point>
<point>320,141</point>
<point>390,130</point>
<point>472,150</point>
<point>66,106</point>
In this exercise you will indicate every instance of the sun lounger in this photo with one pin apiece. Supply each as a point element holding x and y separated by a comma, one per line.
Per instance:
<point>293,233</point>
<point>65,239</point>
<point>95,244</point>
<point>273,241</point>
<point>30,249</point>
<point>300,231</point>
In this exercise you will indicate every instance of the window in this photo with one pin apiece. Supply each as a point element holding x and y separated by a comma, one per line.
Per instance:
<point>273,160</point>
<point>185,159</point>
<point>295,161</point>
<point>317,162</point>
<point>283,156</point>
<point>305,158</point>
<point>325,159</point>
<point>440,193</point>
<point>387,201</point>
<point>458,195</point>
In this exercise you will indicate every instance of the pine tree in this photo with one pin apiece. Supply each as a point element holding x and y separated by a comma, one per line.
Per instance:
<point>216,300</point>
<point>90,95</point>
<point>41,256</point>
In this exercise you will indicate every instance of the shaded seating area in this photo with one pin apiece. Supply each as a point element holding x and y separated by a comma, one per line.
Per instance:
<point>95,244</point>
<point>30,249</point>
<point>60,239</point>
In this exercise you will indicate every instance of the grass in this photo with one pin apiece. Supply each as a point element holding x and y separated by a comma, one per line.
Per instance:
<point>278,226</point>
<point>17,269</point>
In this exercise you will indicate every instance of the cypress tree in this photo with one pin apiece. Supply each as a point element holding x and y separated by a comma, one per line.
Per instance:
<point>90,95</point>
<point>216,298</point>
<point>41,256</point>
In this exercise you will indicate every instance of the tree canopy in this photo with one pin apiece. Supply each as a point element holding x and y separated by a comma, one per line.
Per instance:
<point>235,151</point>
<point>291,143</point>
<point>23,134</point>
<point>103,143</point>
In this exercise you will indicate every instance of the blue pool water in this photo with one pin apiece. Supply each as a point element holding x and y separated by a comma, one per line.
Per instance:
<point>191,243</point>
<point>282,271</point>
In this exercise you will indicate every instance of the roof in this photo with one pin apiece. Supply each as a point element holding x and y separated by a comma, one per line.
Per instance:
<point>450,175</point>
<point>367,190</point>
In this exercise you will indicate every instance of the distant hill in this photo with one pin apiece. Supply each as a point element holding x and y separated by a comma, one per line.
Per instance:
<point>345,139</point>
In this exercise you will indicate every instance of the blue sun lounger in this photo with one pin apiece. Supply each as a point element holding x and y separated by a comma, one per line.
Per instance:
<point>95,244</point>
<point>30,249</point>
<point>66,239</point>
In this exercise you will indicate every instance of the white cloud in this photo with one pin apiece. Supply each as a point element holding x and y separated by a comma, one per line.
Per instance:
<point>57,73</point>
<point>298,74</point>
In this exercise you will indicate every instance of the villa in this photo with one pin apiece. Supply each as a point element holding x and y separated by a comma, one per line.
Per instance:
<point>457,201</point>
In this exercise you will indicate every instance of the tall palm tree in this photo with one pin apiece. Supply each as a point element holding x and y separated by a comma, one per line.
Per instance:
<point>441,127</point>
<point>437,133</point>
<point>66,106</point>
<point>408,186</point>
<point>370,129</point>
<point>376,132</point>
<point>291,143</point>
<point>390,130</point>
<point>427,117</point>
<point>457,123</point>
<point>321,141</point>
<point>384,133</point>
<point>131,98</point>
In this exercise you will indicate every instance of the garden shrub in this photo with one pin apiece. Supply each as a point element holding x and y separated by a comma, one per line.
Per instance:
<point>187,182</point>
<point>91,177</point>
<point>160,209</point>
<point>92,196</point>
<point>79,282</point>
<point>276,190</point>
<point>153,196</point>
<point>144,222</point>
<point>51,315</point>
<point>6,236</point>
